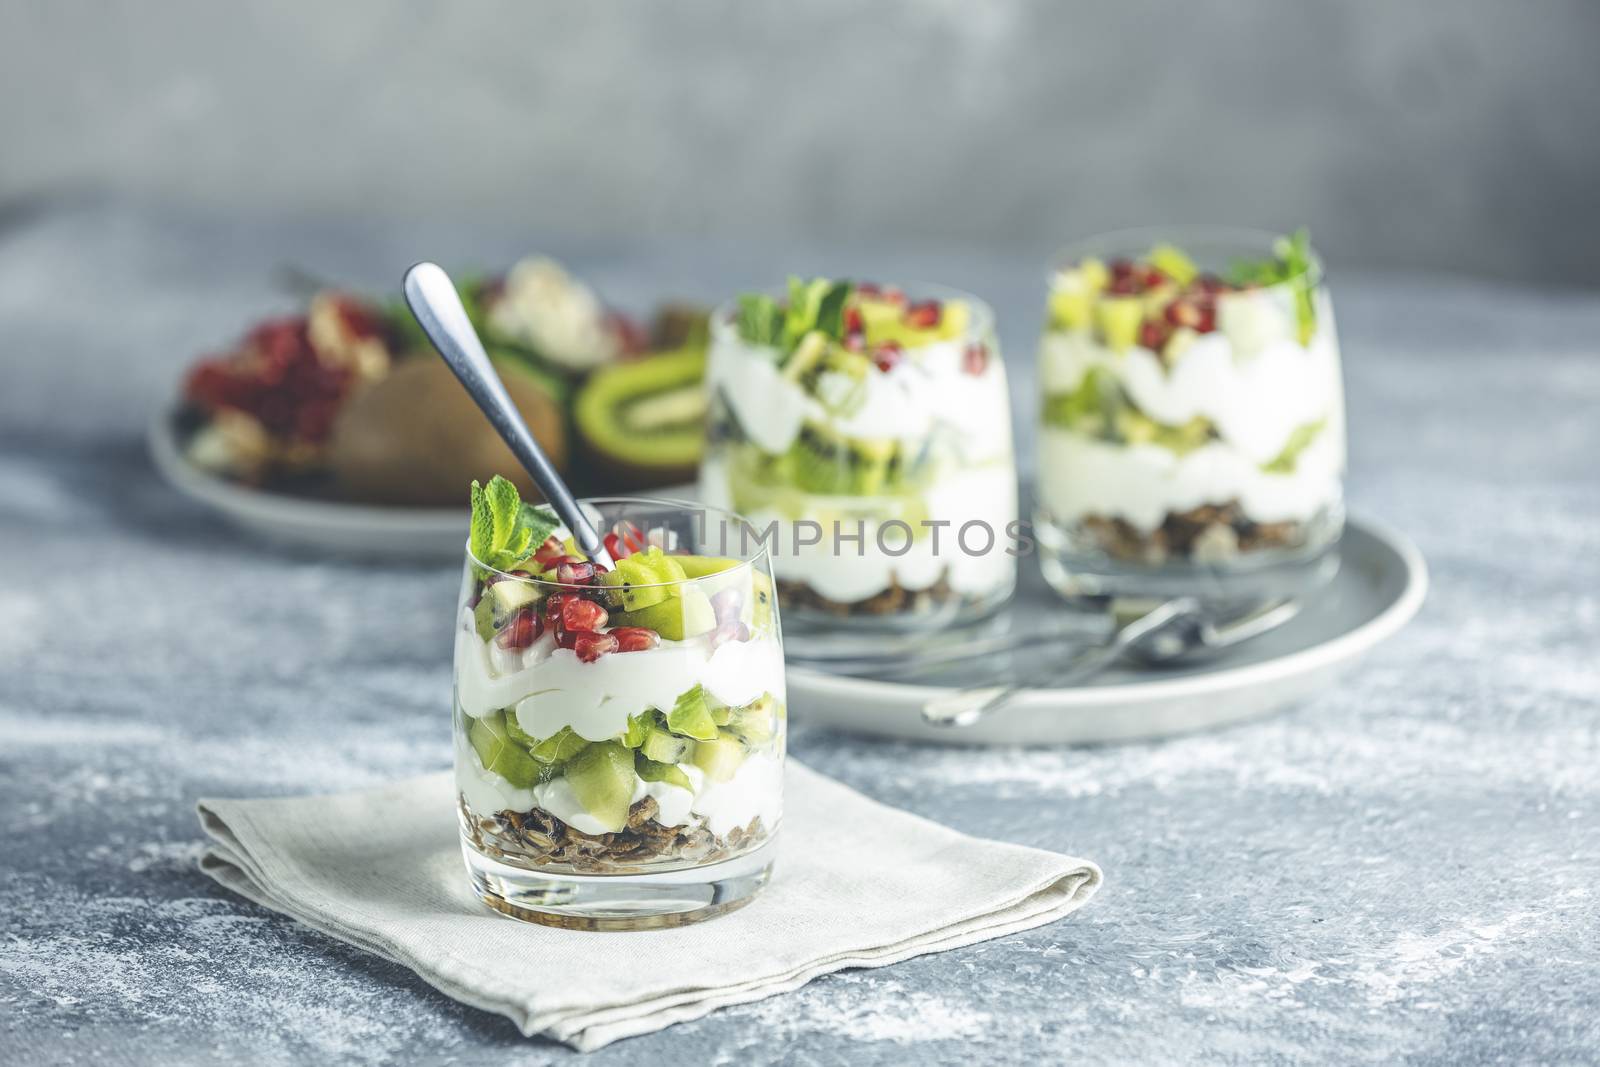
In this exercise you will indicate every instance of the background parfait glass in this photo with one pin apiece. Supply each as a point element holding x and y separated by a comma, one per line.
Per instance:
<point>904,448</point>
<point>619,740</point>
<point>1192,427</point>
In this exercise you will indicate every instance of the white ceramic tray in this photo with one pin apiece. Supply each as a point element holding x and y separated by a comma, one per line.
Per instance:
<point>1380,586</point>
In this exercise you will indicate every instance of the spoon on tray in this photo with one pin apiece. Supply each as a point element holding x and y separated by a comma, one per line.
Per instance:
<point>437,306</point>
<point>1171,630</point>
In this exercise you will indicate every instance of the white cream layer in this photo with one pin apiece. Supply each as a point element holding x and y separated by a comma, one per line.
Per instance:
<point>848,572</point>
<point>550,687</point>
<point>926,391</point>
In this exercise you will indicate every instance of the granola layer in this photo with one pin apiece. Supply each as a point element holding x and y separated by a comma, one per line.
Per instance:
<point>1210,533</point>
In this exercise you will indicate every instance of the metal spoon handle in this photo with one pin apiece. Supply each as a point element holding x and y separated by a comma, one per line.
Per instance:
<point>437,307</point>
<point>964,707</point>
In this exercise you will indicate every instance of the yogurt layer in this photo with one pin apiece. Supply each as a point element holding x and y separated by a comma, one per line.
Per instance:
<point>550,687</point>
<point>850,571</point>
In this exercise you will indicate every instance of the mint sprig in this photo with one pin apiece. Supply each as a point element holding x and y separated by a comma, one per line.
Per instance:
<point>505,528</point>
<point>1291,264</point>
<point>815,305</point>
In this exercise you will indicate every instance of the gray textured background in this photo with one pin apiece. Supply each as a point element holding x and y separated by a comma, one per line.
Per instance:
<point>1403,871</point>
<point>1462,135</point>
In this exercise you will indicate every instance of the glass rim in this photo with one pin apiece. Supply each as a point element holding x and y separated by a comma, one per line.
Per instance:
<point>1133,241</point>
<point>673,503</point>
<point>980,322</point>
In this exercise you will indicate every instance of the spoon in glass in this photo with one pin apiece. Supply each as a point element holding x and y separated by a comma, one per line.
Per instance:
<point>437,306</point>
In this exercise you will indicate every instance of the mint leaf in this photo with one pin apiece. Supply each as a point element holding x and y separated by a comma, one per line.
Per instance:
<point>535,524</point>
<point>760,319</point>
<point>480,541</point>
<point>691,717</point>
<point>1291,264</point>
<point>504,502</point>
<point>830,310</point>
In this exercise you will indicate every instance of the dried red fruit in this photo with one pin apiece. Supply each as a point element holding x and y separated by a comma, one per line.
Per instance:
<point>975,359</point>
<point>580,614</point>
<point>923,315</point>
<point>635,638</point>
<point>888,355</point>
<point>523,630</point>
<point>591,646</point>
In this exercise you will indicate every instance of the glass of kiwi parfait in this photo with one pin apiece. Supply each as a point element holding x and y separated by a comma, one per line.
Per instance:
<point>1192,437</point>
<point>619,731</point>
<point>866,430</point>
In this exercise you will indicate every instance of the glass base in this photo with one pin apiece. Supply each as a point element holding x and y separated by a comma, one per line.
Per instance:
<point>1265,575</point>
<point>620,902</point>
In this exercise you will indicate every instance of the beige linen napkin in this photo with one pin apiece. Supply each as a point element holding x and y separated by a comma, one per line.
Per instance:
<point>857,884</point>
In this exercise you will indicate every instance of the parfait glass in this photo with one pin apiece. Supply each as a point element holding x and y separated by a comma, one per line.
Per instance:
<point>873,450</point>
<point>1192,433</point>
<point>619,734</point>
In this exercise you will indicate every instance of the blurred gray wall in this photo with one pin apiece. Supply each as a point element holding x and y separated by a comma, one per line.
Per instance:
<point>1455,134</point>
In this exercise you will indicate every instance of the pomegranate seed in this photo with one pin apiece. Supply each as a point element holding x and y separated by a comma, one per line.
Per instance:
<point>924,315</point>
<point>591,646</point>
<point>523,630</point>
<point>852,320</point>
<point>893,294</point>
<point>1124,286</point>
<point>888,355</point>
<point>633,538</point>
<point>565,638</point>
<point>868,289</point>
<point>975,358</point>
<point>1153,334</point>
<point>614,547</point>
<point>635,638</point>
<point>855,342</point>
<point>549,554</point>
<point>1183,313</point>
<point>552,606</point>
<point>571,572</point>
<point>732,630</point>
<point>580,614</point>
<point>1151,276</point>
<point>1208,318</point>
<point>726,604</point>
<point>1121,268</point>
<point>1210,283</point>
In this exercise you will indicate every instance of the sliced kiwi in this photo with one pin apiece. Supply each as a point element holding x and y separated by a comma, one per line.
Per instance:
<point>499,752</point>
<point>643,423</point>
<point>720,758</point>
<point>685,613</point>
<point>829,463</point>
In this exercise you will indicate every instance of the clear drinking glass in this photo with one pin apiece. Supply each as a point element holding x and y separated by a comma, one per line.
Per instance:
<point>619,738</point>
<point>1192,435</point>
<point>879,458</point>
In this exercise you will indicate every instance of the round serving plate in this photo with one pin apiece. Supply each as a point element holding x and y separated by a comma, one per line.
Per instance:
<point>1380,585</point>
<point>324,525</point>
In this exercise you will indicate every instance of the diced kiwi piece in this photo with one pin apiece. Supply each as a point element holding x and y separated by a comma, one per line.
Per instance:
<point>483,617</point>
<point>827,462</point>
<point>676,618</point>
<point>656,771</point>
<point>701,566</point>
<point>1174,262</point>
<point>511,595</point>
<point>720,758</point>
<point>642,423</point>
<point>664,747</point>
<point>953,318</point>
<point>1118,318</point>
<point>499,753</point>
<point>1070,308</point>
<point>558,747</point>
<point>755,723</point>
<point>636,584</point>
<point>602,778</point>
<point>807,356</point>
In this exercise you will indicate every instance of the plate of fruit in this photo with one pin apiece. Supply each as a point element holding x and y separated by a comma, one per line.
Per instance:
<point>338,428</point>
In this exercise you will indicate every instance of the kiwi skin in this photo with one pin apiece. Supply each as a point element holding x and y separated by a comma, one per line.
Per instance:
<point>607,461</point>
<point>415,438</point>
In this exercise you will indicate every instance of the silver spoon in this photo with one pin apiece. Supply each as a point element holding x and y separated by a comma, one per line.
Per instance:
<point>437,306</point>
<point>1171,630</point>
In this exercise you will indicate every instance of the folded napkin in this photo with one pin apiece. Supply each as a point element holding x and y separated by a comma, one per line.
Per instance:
<point>857,884</point>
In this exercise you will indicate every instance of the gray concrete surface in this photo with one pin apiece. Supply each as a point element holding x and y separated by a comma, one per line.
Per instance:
<point>1460,135</point>
<point>1402,871</point>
